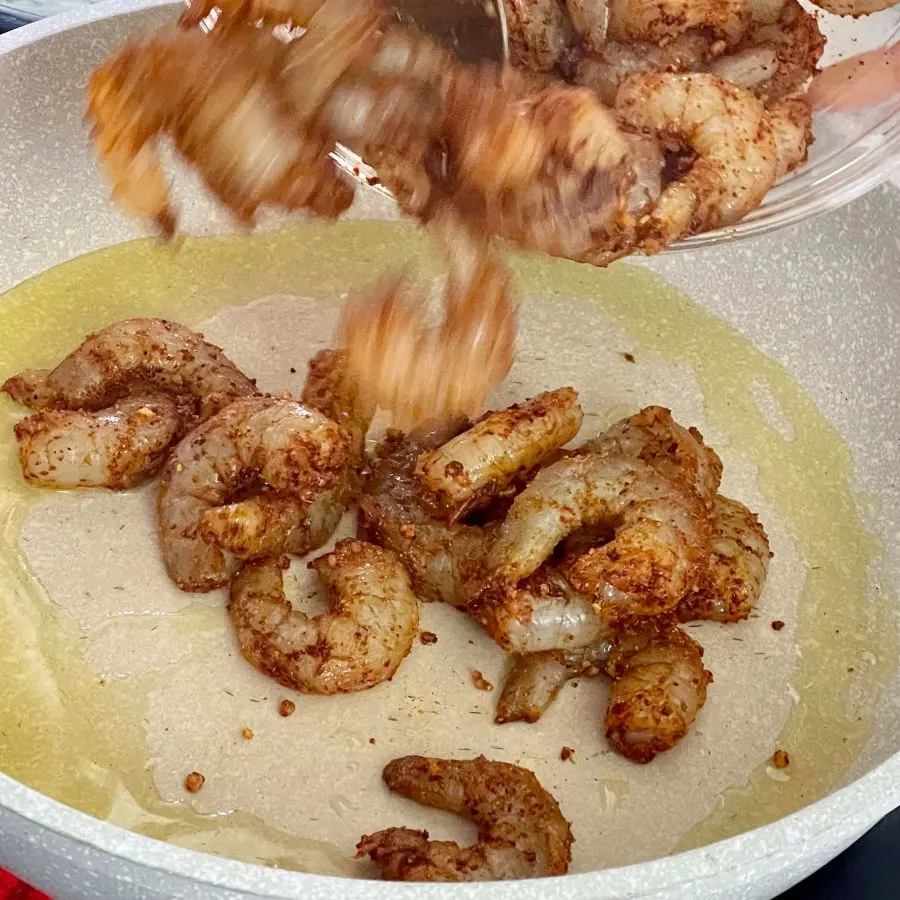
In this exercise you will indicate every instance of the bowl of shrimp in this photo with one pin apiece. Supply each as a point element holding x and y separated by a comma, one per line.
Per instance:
<point>369,532</point>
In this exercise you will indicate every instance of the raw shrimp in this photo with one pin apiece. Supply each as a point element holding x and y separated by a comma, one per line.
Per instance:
<point>678,453</point>
<point>854,8</point>
<point>535,679</point>
<point>372,619</point>
<point>605,68</point>
<point>659,21</point>
<point>441,557</point>
<point>467,471</point>
<point>279,443</point>
<point>591,20</point>
<point>732,578</point>
<point>777,59</point>
<point>659,686</point>
<point>521,831</point>
<point>118,447</point>
<point>273,522</point>
<point>220,97</point>
<point>135,355</point>
<point>541,612</point>
<point>729,130</point>
<point>539,33</point>
<point>791,121</point>
<point>659,532</point>
<point>418,372</point>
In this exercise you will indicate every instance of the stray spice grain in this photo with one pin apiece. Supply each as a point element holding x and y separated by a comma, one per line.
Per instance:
<point>428,637</point>
<point>194,782</point>
<point>567,754</point>
<point>780,759</point>
<point>286,708</point>
<point>777,625</point>
<point>247,734</point>
<point>481,682</point>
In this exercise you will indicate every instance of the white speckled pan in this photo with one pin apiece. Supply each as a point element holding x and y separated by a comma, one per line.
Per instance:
<point>819,299</point>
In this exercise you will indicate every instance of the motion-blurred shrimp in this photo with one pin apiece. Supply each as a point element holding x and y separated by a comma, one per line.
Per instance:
<point>372,619</point>
<point>731,133</point>
<point>274,522</point>
<point>539,33</point>
<point>659,532</point>
<point>521,831</point>
<point>118,447</point>
<point>732,578</point>
<point>659,686</point>
<point>135,356</point>
<point>470,469</point>
<point>255,441</point>
<point>222,100</point>
<point>418,372</point>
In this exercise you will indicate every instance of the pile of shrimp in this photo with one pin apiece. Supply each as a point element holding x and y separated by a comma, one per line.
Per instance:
<point>620,127</point>
<point>578,561</point>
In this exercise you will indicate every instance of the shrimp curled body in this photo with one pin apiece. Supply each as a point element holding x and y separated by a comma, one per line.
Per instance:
<point>659,529</point>
<point>118,447</point>
<point>372,620</point>
<point>135,355</point>
<point>521,831</point>
<point>281,443</point>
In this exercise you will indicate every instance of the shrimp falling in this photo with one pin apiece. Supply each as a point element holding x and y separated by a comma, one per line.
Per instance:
<point>521,830</point>
<point>370,625</point>
<point>418,372</point>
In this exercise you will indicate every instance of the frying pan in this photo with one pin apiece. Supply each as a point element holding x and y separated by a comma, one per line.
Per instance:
<point>819,298</point>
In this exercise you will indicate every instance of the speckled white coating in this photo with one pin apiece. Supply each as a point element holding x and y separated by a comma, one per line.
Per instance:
<point>820,298</point>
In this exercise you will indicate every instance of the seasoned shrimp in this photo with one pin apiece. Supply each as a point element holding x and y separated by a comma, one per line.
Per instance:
<point>535,679</point>
<point>659,21</point>
<point>135,355</point>
<point>786,54</point>
<point>441,557</point>
<point>676,452</point>
<point>250,12</point>
<point>222,100</point>
<point>791,121</point>
<point>372,619</point>
<point>273,522</point>
<point>118,447</point>
<point>480,463</point>
<point>591,21</point>
<point>279,443</point>
<point>732,579</point>
<point>729,130</point>
<point>418,372</point>
<point>541,612</point>
<point>854,8</point>
<point>605,68</point>
<point>539,33</point>
<point>659,686</point>
<point>659,532</point>
<point>521,831</point>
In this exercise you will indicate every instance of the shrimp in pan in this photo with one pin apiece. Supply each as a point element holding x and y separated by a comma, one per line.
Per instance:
<point>262,441</point>
<point>370,625</point>
<point>521,830</point>
<point>659,531</point>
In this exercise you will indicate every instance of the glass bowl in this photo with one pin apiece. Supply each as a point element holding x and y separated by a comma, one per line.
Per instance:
<point>852,153</point>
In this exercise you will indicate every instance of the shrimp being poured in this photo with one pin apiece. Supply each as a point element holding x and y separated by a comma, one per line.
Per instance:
<point>521,831</point>
<point>370,625</point>
<point>420,372</point>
